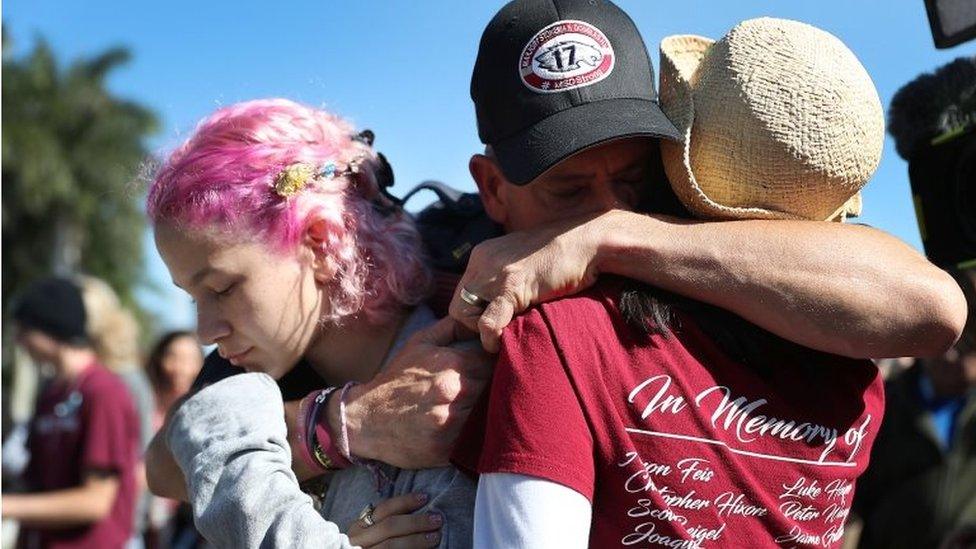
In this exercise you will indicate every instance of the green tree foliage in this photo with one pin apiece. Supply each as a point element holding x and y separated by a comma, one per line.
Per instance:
<point>71,154</point>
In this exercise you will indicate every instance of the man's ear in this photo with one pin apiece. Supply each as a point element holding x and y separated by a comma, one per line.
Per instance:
<point>316,243</point>
<point>491,186</point>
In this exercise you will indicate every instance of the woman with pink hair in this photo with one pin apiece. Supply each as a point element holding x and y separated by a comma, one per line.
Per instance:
<point>271,217</point>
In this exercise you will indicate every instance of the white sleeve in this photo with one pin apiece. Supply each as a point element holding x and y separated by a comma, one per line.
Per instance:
<point>515,511</point>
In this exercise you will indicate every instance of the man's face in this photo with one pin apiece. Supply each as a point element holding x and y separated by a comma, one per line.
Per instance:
<point>609,176</point>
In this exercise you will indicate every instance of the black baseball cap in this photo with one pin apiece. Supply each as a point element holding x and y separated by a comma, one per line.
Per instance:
<point>554,77</point>
<point>55,307</point>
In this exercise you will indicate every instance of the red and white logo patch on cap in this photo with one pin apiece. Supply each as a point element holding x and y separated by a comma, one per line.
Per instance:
<point>566,55</point>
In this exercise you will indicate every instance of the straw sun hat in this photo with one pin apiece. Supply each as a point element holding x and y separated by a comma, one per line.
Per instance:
<point>779,121</point>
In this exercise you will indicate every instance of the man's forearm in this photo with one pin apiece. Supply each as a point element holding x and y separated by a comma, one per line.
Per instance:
<point>57,509</point>
<point>844,289</point>
<point>361,444</point>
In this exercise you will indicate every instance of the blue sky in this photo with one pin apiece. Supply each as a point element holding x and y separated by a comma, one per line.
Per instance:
<point>402,68</point>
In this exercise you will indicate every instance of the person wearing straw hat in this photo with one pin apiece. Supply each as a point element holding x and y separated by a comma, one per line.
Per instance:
<point>583,88</point>
<point>767,134</point>
<point>845,289</point>
<point>646,418</point>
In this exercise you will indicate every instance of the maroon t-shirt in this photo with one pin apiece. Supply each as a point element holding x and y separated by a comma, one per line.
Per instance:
<point>89,424</point>
<point>674,443</point>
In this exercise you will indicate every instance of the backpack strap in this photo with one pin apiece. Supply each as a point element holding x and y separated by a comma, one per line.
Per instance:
<point>445,193</point>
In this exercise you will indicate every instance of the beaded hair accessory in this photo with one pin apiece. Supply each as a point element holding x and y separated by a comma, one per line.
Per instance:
<point>293,179</point>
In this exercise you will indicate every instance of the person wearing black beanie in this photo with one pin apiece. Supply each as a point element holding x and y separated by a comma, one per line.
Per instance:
<point>53,306</point>
<point>84,436</point>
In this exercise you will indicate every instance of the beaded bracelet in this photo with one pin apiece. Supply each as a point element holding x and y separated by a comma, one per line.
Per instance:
<point>343,427</point>
<point>375,467</point>
<point>302,434</point>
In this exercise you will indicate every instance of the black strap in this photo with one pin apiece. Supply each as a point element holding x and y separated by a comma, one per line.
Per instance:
<point>445,193</point>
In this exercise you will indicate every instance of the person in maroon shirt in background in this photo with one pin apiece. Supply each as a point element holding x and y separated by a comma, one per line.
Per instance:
<point>84,436</point>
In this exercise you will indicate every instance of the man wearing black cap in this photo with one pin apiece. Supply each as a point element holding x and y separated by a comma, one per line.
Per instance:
<point>555,78</point>
<point>579,83</point>
<point>566,104</point>
<point>84,436</point>
<point>619,408</point>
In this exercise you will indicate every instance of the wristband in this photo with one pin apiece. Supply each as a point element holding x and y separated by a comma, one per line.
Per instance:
<point>381,478</point>
<point>302,435</point>
<point>318,432</point>
<point>324,443</point>
<point>343,427</point>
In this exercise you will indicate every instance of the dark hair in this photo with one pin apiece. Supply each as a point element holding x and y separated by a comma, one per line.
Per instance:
<point>154,364</point>
<point>645,308</point>
<point>649,310</point>
<point>53,306</point>
<point>932,104</point>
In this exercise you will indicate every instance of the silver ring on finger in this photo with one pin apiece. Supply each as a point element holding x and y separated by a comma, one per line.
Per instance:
<point>366,515</point>
<point>473,299</point>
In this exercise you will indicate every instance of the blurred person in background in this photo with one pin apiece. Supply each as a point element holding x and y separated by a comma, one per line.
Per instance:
<point>114,334</point>
<point>920,487</point>
<point>84,436</point>
<point>173,364</point>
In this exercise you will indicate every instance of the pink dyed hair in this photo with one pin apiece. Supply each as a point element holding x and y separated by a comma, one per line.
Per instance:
<point>223,177</point>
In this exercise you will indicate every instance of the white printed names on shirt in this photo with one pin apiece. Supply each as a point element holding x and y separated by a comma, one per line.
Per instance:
<point>677,492</point>
<point>686,473</point>
<point>806,501</point>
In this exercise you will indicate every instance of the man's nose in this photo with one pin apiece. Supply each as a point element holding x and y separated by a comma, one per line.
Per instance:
<point>210,327</point>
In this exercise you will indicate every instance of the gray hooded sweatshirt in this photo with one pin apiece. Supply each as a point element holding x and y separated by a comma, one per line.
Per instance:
<point>230,440</point>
